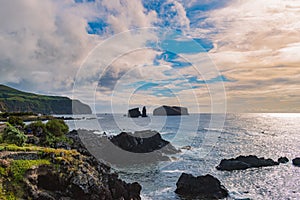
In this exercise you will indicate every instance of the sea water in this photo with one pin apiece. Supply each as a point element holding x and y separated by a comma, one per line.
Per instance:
<point>212,137</point>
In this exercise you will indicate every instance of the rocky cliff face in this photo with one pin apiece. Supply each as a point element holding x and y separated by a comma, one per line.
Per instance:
<point>12,100</point>
<point>56,174</point>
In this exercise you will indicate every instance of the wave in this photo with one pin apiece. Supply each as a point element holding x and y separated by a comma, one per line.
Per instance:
<point>173,171</point>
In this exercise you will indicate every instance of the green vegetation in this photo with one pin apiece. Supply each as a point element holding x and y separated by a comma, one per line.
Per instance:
<point>19,167</point>
<point>37,128</point>
<point>57,127</point>
<point>12,174</point>
<point>16,121</point>
<point>12,135</point>
<point>13,141</point>
<point>50,133</point>
<point>12,100</point>
<point>32,148</point>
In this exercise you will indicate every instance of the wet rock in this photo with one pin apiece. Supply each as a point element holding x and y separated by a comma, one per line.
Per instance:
<point>207,187</point>
<point>245,162</point>
<point>143,142</point>
<point>187,147</point>
<point>296,162</point>
<point>283,160</point>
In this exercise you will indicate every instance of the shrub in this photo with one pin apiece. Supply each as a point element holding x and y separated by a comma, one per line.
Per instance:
<point>16,121</point>
<point>12,135</point>
<point>57,127</point>
<point>36,128</point>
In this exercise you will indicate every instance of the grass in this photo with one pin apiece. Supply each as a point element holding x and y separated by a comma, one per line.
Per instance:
<point>19,167</point>
<point>29,148</point>
<point>13,176</point>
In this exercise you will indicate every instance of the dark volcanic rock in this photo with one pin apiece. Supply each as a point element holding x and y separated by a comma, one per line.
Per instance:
<point>143,142</point>
<point>127,148</point>
<point>296,162</point>
<point>283,160</point>
<point>79,178</point>
<point>134,112</point>
<point>170,110</point>
<point>144,112</point>
<point>207,187</point>
<point>245,162</point>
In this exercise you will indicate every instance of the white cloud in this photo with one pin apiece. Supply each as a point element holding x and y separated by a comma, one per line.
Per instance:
<point>40,38</point>
<point>128,14</point>
<point>256,44</point>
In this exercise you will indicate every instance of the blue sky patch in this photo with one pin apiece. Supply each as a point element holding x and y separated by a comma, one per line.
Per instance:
<point>97,27</point>
<point>221,78</point>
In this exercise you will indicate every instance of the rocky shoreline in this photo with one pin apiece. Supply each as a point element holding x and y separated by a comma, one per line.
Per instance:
<point>77,168</point>
<point>34,172</point>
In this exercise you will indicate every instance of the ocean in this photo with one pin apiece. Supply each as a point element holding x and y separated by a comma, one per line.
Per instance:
<point>212,137</point>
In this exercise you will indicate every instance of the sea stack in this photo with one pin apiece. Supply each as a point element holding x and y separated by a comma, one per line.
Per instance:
<point>170,110</point>
<point>144,112</point>
<point>134,112</point>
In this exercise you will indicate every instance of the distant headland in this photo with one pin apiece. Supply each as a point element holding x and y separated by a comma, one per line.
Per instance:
<point>12,100</point>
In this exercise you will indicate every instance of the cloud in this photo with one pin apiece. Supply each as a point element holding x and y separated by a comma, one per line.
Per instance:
<point>128,14</point>
<point>42,43</point>
<point>253,46</point>
<point>255,43</point>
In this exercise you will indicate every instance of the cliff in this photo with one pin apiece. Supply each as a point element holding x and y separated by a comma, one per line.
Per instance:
<point>34,172</point>
<point>12,100</point>
<point>170,110</point>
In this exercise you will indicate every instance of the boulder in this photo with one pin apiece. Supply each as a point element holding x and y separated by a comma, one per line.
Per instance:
<point>202,187</point>
<point>296,162</point>
<point>245,162</point>
<point>283,160</point>
<point>170,110</point>
<point>134,113</point>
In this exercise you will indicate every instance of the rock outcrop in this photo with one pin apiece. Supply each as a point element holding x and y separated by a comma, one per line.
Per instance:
<point>283,160</point>
<point>67,172</point>
<point>72,180</point>
<point>143,142</point>
<point>201,187</point>
<point>144,112</point>
<point>296,162</point>
<point>126,148</point>
<point>170,110</point>
<point>134,113</point>
<point>245,162</point>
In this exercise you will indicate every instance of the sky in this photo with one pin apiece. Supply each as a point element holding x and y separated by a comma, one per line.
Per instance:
<point>208,55</point>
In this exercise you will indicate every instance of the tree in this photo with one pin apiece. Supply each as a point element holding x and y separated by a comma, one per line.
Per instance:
<point>16,121</point>
<point>38,129</point>
<point>57,127</point>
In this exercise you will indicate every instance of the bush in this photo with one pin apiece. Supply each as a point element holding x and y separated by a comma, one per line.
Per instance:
<point>16,121</point>
<point>12,135</point>
<point>57,127</point>
<point>38,129</point>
